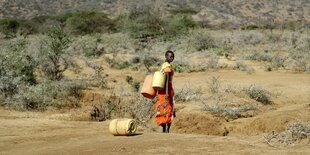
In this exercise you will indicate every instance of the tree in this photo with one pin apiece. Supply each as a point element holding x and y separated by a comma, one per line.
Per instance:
<point>54,63</point>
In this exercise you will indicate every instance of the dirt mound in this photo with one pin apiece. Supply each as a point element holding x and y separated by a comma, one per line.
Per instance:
<point>199,123</point>
<point>276,120</point>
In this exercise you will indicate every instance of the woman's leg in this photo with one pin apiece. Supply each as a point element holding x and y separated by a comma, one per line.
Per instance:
<point>164,126</point>
<point>168,127</point>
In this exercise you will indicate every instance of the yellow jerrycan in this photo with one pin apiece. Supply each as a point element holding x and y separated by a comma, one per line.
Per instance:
<point>159,80</point>
<point>123,127</point>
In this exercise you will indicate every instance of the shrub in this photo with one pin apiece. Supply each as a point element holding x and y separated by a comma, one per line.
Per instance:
<point>141,109</point>
<point>212,62</point>
<point>221,51</point>
<point>230,112</point>
<point>87,22</point>
<point>214,84</point>
<point>91,48</point>
<point>135,60</point>
<point>278,61</point>
<point>250,27</point>
<point>202,41</point>
<point>299,61</point>
<point>294,134</point>
<point>53,62</point>
<point>178,67</point>
<point>122,65</point>
<point>259,56</point>
<point>176,25</point>
<point>146,22</point>
<point>251,38</point>
<point>12,27</point>
<point>99,79</point>
<point>187,94</point>
<point>143,23</point>
<point>133,83</point>
<point>105,108</point>
<point>149,62</point>
<point>15,60</point>
<point>240,65</point>
<point>259,94</point>
<point>274,37</point>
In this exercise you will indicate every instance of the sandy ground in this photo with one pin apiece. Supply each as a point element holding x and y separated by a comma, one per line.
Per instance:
<point>43,133</point>
<point>45,136</point>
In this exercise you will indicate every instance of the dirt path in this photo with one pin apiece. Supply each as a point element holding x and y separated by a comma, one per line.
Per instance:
<point>44,136</point>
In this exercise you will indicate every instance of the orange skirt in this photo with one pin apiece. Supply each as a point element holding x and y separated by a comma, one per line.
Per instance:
<point>163,110</point>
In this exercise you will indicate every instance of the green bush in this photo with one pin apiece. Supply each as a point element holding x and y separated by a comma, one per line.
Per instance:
<point>221,51</point>
<point>176,25</point>
<point>178,67</point>
<point>123,65</point>
<point>17,62</point>
<point>53,62</point>
<point>13,27</point>
<point>87,22</point>
<point>149,24</point>
<point>143,24</point>
<point>250,27</point>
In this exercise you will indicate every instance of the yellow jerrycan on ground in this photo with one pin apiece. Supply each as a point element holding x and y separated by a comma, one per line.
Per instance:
<point>123,127</point>
<point>159,80</point>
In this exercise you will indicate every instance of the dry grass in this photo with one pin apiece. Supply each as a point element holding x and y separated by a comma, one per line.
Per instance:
<point>295,133</point>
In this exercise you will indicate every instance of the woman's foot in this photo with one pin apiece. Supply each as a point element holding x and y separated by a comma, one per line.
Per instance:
<point>166,127</point>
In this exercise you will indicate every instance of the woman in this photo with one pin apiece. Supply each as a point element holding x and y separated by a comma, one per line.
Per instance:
<point>164,110</point>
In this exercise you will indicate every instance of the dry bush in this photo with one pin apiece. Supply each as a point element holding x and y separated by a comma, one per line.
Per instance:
<point>140,109</point>
<point>249,37</point>
<point>240,65</point>
<point>274,37</point>
<point>298,61</point>
<point>202,40</point>
<point>93,47</point>
<point>188,94</point>
<point>134,84</point>
<point>259,94</point>
<point>99,79</point>
<point>104,109</point>
<point>214,84</point>
<point>278,61</point>
<point>59,94</point>
<point>258,56</point>
<point>298,132</point>
<point>227,103</point>
<point>213,61</point>
<point>230,112</point>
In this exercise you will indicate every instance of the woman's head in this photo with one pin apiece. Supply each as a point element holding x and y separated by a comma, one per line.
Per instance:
<point>169,56</point>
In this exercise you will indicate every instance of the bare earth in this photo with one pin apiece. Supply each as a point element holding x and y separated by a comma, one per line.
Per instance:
<point>41,133</point>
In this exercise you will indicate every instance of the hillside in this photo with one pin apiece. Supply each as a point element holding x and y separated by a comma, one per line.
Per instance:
<point>233,12</point>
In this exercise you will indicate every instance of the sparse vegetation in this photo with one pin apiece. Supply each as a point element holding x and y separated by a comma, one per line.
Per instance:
<point>188,93</point>
<point>298,132</point>
<point>240,65</point>
<point>202,41</point>
<point>214,84</point>
<point>242,111</point>
<point>259,94</point>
